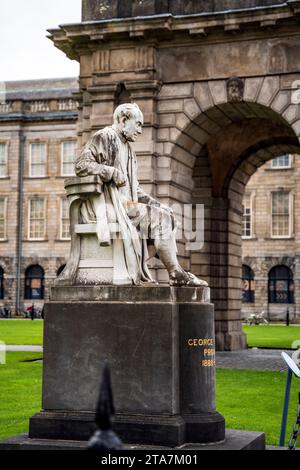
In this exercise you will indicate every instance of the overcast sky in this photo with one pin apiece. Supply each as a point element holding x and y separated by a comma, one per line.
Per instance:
<point>25,52</point>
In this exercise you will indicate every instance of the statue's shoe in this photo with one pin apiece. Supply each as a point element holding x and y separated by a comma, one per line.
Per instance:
<point>184,278</point>
<point>194,281</point>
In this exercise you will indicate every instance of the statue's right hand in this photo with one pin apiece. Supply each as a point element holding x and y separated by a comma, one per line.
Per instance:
<point>118,178</point>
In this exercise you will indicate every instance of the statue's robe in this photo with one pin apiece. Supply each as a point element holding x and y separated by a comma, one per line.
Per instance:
<point>137,214</point>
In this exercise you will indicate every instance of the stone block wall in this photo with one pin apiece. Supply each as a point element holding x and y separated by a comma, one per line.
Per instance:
<point>270,252</point>
<point>107,9</point>
<point>53,124</point>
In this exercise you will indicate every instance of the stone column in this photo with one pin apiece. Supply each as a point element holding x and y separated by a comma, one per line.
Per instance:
<point>226,261</point>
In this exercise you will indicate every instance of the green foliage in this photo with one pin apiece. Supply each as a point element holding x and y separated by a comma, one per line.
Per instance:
<point>21,332</point>
<point>272,336</point>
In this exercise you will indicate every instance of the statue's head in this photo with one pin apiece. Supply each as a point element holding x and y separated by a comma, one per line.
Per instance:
<point>235,89</point>
<point>128,119</point>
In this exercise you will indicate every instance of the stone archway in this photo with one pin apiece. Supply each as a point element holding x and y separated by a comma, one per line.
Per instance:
<point>220,144</point>
<point>176,68</point>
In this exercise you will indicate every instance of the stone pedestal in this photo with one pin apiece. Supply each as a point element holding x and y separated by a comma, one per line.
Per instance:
<point>234,440</point>
<point>159,342</point>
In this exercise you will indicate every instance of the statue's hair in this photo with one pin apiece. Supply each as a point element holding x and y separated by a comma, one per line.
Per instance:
<point>235,80</point>
<point>127,109</point>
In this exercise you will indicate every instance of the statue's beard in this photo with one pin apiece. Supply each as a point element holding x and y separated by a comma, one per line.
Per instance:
<point>236,96</point>
<point>127,135</point>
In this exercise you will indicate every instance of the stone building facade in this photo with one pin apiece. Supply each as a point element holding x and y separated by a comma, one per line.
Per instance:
<point>218,84</point>
<point>271,240</point>
<point>217,81</point>
<point>37,143</point>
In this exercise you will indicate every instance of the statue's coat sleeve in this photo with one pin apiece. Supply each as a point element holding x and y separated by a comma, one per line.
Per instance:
<point>98,156</point>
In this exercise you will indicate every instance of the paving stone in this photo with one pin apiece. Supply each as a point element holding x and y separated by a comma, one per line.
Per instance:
<point>252,359</point>
<point>23,348</point>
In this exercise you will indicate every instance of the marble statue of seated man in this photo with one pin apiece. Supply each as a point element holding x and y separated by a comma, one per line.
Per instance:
<point>141,219</point>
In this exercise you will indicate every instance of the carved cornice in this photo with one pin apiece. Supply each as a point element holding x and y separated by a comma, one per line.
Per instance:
<point>106,91</point>
<point>39,110</point>
<point>76,39</point>
<point>39,117</point>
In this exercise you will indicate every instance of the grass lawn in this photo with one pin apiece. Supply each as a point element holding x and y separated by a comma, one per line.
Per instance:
<point>21,332</point>
<point>269,336</point>
<point>253,400</point>
<point>20,392</point>
<point>247,399</point>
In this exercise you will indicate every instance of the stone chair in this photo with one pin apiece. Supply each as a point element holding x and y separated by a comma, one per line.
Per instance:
<point>90,263</point>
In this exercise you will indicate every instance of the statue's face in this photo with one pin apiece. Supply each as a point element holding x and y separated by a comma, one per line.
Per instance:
<point>235,90</point>
<point>132,127</point>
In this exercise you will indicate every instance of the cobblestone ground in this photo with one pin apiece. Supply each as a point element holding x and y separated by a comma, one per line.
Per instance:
<point>253,359</point>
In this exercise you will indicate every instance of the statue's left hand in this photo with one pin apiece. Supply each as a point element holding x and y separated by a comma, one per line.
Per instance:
<point>119,178</point>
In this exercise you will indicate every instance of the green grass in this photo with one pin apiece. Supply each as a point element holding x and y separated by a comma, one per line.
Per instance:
<point>269,336</point>
<point>21,332</point>
<point>20,392</point>
<point>253,400</point>
<point>249,400</point>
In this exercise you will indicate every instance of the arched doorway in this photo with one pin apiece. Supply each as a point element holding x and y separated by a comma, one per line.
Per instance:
<point>216,91</point>
<point>280,285</point>
<point>34,282</point>
<point>227,142</point>
<point>248,285</point>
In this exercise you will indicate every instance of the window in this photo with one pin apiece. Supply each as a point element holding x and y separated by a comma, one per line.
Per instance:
<point>284,161</point>
<point>68,153</point>
<point>281,285</point>
<point>64,219</point>
<point>3,160</point>
<point>281,221</point>
<point>247,217</point>
<point>248,284</point>
<point>1,283</point>
<point>38,157</point>
<point>34,282</point>
<point>36,225</point>
<point>2,218</point>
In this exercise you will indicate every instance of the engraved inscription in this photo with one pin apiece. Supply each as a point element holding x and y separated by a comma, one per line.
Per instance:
<point>207,350</point>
